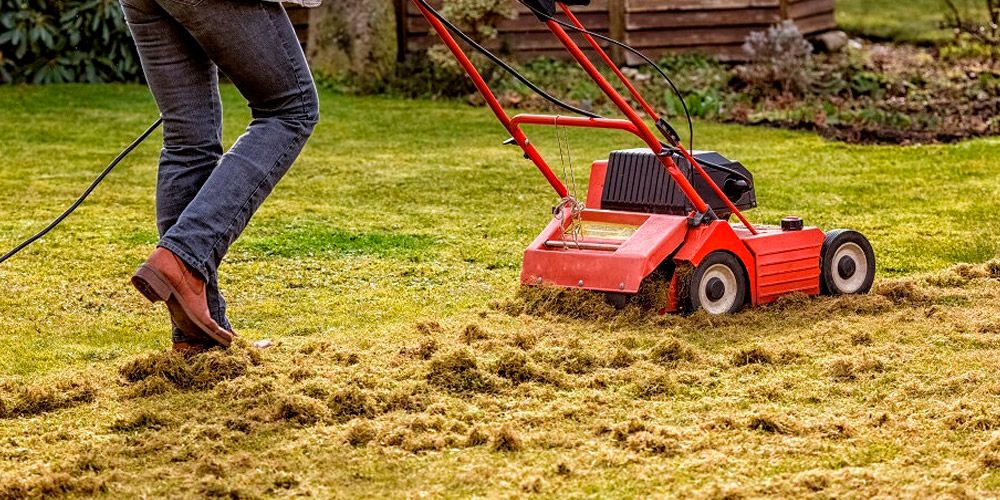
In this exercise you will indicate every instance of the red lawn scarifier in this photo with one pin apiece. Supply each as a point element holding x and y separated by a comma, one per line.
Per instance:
<point>662,208</point>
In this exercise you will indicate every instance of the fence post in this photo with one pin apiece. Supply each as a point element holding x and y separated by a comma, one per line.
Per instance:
<point>616,29</point>
<point>783,8</point>
<point>401,29</point>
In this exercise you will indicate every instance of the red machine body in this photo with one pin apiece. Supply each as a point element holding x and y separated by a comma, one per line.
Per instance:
<point>776,262</point>
<point>614,251</point>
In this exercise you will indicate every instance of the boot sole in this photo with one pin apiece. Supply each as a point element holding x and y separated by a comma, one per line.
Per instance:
<point>156,288</point>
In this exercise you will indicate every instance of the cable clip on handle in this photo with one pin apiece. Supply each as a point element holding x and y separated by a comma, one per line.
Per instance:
<point>669,133</point>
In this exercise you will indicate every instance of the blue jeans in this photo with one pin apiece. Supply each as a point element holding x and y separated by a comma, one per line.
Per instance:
<point>204,197</point>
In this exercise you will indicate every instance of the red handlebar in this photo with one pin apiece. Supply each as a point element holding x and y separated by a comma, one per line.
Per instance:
<point>634,123</point>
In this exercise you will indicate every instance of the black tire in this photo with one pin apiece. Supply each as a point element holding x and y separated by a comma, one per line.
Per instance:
<point>847,263</point>
<point>718,285</point>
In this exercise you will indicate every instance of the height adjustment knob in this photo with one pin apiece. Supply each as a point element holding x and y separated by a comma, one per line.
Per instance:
<point>791,224</point>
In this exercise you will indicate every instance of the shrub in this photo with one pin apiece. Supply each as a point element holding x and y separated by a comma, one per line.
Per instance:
<point>57,41</point>
<point>434,72</point>
<point>779,59</point>
<point>478,17</point>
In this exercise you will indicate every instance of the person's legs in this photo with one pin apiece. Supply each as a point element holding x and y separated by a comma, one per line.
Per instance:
<point>184,82</point>
<point>254,44</point>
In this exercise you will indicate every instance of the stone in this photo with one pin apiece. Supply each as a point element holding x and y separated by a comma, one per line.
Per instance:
<point>831,41</point>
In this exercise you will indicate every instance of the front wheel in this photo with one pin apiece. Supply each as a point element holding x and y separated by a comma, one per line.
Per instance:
<point>848,263</point>
<point>718,285</point>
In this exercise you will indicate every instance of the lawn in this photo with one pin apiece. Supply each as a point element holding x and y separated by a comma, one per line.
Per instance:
<point>916,21</point>
<point>406,363</point>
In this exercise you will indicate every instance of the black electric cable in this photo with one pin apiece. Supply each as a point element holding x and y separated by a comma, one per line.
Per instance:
<point>90,189</point>
<point>633,50</point>
<point>506,67</point>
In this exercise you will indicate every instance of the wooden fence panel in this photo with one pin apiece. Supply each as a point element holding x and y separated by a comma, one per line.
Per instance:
<point>715,27</point>
<point>300,19</point>
<point>710,27</point>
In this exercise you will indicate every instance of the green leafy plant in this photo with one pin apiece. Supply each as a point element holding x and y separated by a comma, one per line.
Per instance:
<point>59,41</point>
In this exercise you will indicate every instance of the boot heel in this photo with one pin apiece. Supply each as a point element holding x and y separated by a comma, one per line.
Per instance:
<point>150,284</point>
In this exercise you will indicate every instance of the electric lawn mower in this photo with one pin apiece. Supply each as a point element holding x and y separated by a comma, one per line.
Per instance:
<point>660,208</point>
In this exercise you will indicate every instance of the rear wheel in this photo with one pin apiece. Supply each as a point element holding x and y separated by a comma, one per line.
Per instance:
<point>718,285</point>
<point>848,263</point>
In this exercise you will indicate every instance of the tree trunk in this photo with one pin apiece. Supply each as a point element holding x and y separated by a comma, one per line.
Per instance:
<point>353,39</point>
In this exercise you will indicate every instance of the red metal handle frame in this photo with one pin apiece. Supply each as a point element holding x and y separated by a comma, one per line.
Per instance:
<point>645,133</point>
<point>634,123</point>
<point>652,113</point>
<point>611,64</point>
<point>477,79</point>
<point>574,121</point>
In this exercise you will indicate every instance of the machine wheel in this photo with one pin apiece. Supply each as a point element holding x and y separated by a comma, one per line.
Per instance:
<point>848,263</point>
<point>718,285</point>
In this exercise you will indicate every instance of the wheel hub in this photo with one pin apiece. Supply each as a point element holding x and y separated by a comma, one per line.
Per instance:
<point>715,289</point>
<point>718,289</point>
<point>846,267</point>
<point>849,268</point>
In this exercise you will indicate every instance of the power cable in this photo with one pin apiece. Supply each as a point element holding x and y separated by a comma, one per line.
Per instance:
<point>90,189</point>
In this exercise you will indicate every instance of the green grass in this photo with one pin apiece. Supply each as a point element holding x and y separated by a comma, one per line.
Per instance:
<point>917,21</point>
<point>401,213</point>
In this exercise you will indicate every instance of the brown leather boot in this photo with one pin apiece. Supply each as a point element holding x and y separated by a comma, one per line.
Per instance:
<point>165,277</point>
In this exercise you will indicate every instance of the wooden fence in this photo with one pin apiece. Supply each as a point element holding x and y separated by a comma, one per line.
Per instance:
<point>711,27</point>
<point>300,19</point>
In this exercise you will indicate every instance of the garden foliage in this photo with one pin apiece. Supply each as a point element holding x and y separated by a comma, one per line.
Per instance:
<point>59,41</point>
<point>479,17</point>
<point>869,92</point>
<point>778,57</point>
<point>434,72</point>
